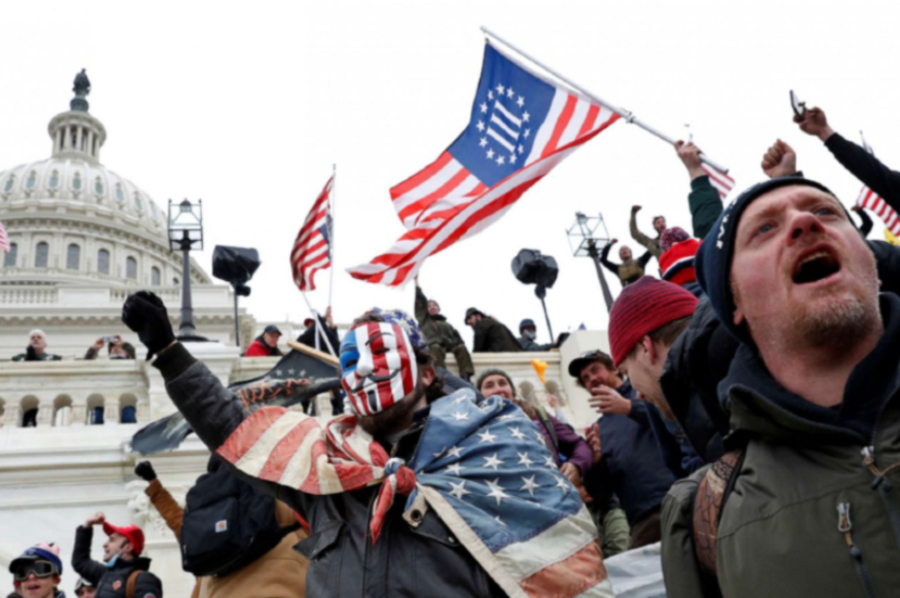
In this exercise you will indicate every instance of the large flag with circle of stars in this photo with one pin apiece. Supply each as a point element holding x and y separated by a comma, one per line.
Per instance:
<point>482,467</point>
<point>521,127</point>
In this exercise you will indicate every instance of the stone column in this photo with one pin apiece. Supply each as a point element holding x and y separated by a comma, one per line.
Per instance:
<point>12,415</point>
<point>111,411</point>
<point>45,413</point>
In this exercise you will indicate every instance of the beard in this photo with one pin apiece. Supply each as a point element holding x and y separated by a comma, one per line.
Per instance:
<point>396,417</point>
<point>839,322</point>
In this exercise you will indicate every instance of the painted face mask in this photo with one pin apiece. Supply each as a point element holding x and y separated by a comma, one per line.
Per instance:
<point>378,367</point>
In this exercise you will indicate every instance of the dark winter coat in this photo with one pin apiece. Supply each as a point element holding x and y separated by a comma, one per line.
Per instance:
<point>111,582</point>
<point>437,329</point>
<point>308,337</point>
<point>867,168</point>
<point>528,344</point>
<point>493,337</point>
<point>781,531</point>
<point>424,561</point>
<point>632,466</point>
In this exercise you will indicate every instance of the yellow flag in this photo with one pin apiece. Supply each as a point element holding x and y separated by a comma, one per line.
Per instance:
<point>890,238</point>
<point>541,368</point>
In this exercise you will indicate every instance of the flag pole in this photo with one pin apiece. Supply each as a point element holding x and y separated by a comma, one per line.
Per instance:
<point>333,201</point>
<point>628,116</point>
<point>316,324</point>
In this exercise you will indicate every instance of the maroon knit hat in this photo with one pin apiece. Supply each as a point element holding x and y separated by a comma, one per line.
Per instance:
<point>641,308</point>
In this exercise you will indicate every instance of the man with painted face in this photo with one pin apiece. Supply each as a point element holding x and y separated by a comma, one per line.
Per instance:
<point>346,476</point>
<point>815,410</point>
<point>122,565</point>
<point>37,572</point>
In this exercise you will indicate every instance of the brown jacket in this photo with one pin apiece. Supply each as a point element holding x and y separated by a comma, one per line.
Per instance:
<point>280,573</point>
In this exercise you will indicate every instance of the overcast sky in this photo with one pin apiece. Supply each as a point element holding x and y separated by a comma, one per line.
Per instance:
<point>248,105</point>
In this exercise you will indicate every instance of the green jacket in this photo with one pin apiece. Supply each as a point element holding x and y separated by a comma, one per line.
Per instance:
<point>42,357</point>
<point>436,328</point>
<point>706,205</point>
<point>810,514</point>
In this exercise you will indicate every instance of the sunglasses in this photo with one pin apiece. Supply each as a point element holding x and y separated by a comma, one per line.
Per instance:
<point>41,569</point>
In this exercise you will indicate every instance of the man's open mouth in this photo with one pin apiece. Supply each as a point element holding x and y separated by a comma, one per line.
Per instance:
<point>816,266</point>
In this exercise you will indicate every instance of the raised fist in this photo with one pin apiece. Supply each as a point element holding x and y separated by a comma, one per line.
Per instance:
<point>145,471</point>
<point>635,209</point>
<point>690,157</point>
<point>779,160</point>
<point>145,314</point>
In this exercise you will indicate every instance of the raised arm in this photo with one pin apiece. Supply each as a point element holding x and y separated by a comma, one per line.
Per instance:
<point>604,255</point>
<point>421,305</point>
<point>635,233</point>
<point>704,201</point>
<point>81,553</point>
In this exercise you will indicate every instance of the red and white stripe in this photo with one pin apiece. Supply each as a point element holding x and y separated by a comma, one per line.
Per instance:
<point>871,201</point>
<point>721,181</point>
<point>445,203</point>
<point>4,239</point>
<point>312,251</point>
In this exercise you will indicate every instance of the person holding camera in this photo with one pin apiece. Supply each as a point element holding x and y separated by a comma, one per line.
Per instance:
<point>118,349</point>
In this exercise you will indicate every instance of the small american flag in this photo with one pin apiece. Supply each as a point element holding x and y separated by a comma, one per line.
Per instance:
<point>481,466</point>
<point>521,127</point>
<point>4,239</point>
<point>870,200</point>
<point>312,248</point>
<point>721,181</point>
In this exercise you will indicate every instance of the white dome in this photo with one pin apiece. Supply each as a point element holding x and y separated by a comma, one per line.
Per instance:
<point>70,220</point>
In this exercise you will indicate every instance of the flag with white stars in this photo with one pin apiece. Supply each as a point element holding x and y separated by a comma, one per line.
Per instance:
<point>484,468</point>
<point>521,126</point>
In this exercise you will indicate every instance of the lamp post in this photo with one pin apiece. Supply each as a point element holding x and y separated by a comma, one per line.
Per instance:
<point>583,239</point>
<point>186,233</point>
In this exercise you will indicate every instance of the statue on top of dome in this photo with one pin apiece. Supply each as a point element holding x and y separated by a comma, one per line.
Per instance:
<point>81,87</point>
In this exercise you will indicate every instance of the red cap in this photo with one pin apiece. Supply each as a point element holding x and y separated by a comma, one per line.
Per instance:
<point>132,532</point>
<point>641,308</point>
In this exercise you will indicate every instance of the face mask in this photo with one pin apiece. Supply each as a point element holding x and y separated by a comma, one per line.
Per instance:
<point>529,334</point>
<point>112,562</point>
<point>378,367</point>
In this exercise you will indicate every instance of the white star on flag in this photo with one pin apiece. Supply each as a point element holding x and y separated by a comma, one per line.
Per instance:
<point>517,433</point>
<point>455,451</point>
<point>524,460</point>
<point>483,108</point>
<point>563,483</point>
<point>490,154</point>
<point>490,95</point>
<point>480,126</point>
<point>509,92</point>
<point>549,462</point>
<point>512,159</point>
<point>530,485</point>
<point>520,102</point>
<point>501,161</point>
<point>460,416</point>
<point>493,462</point>
<point>482,142</point>
<point>496,491</point>
<point>500,88</point>
<point>459,490</point>
<point>526,116</point>
<point>486,436</point>
<point>455,468</point>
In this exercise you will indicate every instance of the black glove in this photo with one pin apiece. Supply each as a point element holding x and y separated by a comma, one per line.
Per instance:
<point>146,314</point>
<point>145,471</point>
<point>30,354</point>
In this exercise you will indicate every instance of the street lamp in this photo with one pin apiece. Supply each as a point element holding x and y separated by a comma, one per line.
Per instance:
<point>186,233</point>
<point>583,239</point>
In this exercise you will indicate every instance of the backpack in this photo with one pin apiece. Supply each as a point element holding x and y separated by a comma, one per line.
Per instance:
<point>227,525</point>
<point>709,503</point>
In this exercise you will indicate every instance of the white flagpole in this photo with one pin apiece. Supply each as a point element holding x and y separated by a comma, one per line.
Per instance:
<point>332,201</point>
<point>316,324</point>
<point>628,116</point>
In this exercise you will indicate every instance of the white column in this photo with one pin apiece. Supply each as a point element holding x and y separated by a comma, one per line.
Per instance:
<point>79,138</point>
<point>89,146</point>
<point>111,411</point>
<point>12,415</point>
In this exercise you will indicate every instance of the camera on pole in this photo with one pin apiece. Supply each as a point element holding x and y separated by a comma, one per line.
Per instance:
<point>236,266</point>
<point>530,267</point>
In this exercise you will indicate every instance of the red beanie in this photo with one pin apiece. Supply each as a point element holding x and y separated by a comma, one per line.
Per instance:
<point>677,263</point>
<point>641,308</point>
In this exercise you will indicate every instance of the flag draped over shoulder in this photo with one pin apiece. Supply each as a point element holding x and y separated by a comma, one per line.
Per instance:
<point>312,248</point>
<point>482,467</point>
<point>870,200</point>
<point>521,127</point>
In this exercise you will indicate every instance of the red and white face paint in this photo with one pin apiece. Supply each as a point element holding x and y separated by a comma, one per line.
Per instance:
<point>378,366</point>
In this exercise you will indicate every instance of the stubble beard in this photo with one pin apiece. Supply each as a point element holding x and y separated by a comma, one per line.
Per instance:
<point>395,417</point>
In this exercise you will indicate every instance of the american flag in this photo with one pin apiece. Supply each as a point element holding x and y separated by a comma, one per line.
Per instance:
<point>482,467</point>
<point>4,239</point>
<point>521,127</point>
<point>870,200</point>
<point>312,248</point>
<point>721,181</point>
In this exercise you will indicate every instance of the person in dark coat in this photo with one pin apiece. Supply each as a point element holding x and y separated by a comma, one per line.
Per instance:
<point>442,337</point>
<point>490,335</point>
<point>266,344</point>
<point>631,465</point>
<point>122,560</point>
<point>323,336</point>
<point>630,269</point>
<point>528,334</point>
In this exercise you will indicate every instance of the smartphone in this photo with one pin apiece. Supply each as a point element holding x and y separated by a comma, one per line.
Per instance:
<point>795,104</point>
<point>110,339</point>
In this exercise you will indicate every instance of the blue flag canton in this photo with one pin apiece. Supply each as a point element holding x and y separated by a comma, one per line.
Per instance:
<point>510,106</point>
<point>492,465</point>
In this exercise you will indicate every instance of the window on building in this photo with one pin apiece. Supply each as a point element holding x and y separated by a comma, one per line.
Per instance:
<point>76,182</point>
<point>154,276</point>
<point>98,186</point>
<point>153,213</point>
<point>131,268</point>
<point>120,195</point>
<point>41,255</point>
<point>54,179</point>
<point>9,183</point>
<point>10,260</point>
<point>73,257</point>
<point>138,204</point>
<point>32,180</point>
<point>103,261</point>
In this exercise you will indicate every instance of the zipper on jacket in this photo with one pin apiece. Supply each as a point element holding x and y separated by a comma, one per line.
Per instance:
<point>845,526</point>
<point>885,490</point>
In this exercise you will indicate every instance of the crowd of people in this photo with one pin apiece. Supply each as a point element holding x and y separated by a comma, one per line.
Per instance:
<point>748,421</point>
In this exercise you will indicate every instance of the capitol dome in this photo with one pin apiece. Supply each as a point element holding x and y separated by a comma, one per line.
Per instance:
<point>71,220</point>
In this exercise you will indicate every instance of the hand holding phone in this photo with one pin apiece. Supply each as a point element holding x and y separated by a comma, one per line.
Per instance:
<point>798,106</point>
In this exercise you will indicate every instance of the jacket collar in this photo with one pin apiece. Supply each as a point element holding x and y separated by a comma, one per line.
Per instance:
<point>761,405</point>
